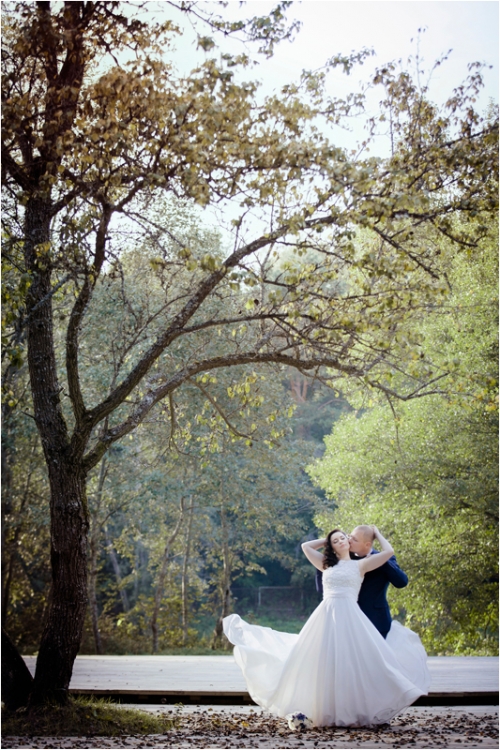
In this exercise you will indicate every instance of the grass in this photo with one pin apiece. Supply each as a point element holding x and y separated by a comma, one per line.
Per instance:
<point>82,717</point>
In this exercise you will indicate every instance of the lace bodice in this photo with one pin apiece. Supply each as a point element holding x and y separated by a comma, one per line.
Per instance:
<point>342,580</point>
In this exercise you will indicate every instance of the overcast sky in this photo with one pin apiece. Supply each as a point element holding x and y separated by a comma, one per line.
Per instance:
<point>469,29</point>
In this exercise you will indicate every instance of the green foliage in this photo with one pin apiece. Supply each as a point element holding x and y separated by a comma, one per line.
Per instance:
<point>426,472</point>
<point>224,441</point>
<point>25,524</point>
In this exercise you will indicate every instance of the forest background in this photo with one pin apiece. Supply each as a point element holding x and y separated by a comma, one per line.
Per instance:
<point>181,535</point>
<point>207,499</point>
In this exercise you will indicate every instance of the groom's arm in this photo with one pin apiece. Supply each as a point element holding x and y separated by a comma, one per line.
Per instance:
<point>394,574</point>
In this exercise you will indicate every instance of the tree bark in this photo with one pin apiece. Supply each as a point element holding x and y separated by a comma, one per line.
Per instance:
<point>63,631</point>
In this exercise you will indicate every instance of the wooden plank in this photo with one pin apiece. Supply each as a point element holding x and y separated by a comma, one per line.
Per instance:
<point>221,676</point>
<point>463,673</point>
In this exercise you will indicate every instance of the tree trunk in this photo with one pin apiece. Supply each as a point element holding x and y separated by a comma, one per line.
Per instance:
<point>62,634</point>
<point>225,585</point>
<point>226,610</point>
<point>161,579</point>
<point>184,576</point>
<point>117,571</point>
<point>68,508</point>
<point>63,630</point>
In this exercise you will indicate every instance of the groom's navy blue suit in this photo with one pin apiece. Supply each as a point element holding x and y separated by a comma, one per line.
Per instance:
<point>372,595</point>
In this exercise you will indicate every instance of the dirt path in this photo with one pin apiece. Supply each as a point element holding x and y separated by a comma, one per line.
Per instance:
<point>249,727</point>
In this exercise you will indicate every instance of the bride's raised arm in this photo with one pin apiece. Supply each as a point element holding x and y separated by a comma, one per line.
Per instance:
<point>372,562</point>
<point>310,550</point>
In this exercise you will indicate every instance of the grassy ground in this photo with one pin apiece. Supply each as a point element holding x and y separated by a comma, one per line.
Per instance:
<point>249,727</point>
<point>289,623</point>
<point>285,622</point>
<point>83,717</point>
<point>190,651</point>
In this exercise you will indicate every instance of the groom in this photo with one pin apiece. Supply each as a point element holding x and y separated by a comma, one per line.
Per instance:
<point>372,595</point>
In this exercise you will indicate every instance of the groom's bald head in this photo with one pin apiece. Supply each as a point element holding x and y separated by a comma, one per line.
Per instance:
<point>366,532</point>
<point>361,540</point>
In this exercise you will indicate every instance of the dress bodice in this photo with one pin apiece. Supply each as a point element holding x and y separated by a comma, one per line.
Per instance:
<point>342,580</point>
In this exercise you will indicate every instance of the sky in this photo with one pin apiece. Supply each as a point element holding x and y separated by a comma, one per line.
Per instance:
<point>469,29</point>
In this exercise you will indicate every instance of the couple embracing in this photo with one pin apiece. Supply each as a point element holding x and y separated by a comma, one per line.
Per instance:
<point>372,597</point>
<point>349,665</point>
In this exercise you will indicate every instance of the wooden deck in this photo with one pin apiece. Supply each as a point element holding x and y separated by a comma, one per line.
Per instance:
<point>218,678</point>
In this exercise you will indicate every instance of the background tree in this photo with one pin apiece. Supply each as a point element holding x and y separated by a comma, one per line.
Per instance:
<point>257,499</point>
<point>427,471</point>
<point>89,142</point>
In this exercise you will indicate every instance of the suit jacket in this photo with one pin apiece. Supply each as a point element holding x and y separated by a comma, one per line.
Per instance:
<point>373,593</point>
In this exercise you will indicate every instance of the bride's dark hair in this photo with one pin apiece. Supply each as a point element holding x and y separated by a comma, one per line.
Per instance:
<point>329,557</point>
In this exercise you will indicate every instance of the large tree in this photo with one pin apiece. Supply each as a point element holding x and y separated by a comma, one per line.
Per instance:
<point>89,140</point>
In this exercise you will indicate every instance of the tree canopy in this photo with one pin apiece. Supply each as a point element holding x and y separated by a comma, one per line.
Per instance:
<point>426,471</point>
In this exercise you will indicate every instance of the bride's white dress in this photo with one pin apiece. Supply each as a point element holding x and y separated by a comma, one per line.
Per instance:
<point>338,670</point>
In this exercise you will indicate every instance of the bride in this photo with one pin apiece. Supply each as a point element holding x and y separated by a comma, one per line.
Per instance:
<point>339,670</point>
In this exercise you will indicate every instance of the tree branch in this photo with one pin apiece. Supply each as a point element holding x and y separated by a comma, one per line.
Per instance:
<point>414,394</point>
<point>218,409</point>
<point>76,318</point>
<point>241,319</point>
<point>154,396</point>
<point>15,170</point>
<point>176,328</point>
